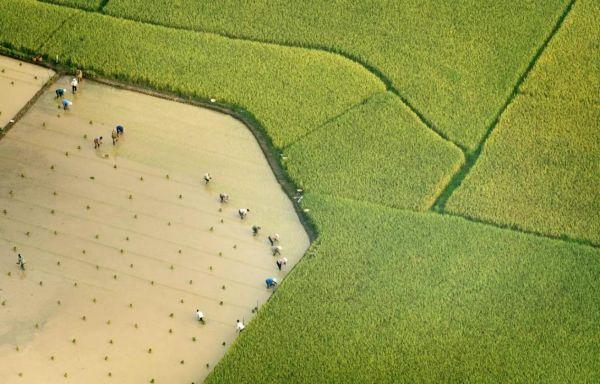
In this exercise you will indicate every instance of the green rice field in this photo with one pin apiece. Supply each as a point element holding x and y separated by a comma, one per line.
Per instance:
<point>449,156</point>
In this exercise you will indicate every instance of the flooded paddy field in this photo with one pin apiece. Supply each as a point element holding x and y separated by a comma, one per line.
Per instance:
<point>19,82</point>
<point>122,243</point>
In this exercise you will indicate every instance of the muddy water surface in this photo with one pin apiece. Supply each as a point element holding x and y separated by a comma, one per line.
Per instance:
<point>119,256</point>
<point>19,81</point>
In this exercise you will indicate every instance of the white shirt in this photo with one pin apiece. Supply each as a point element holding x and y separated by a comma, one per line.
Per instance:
<point>243,211</point>
<point>74,82</point>
<point>240,326</point>
<point>200,315</point>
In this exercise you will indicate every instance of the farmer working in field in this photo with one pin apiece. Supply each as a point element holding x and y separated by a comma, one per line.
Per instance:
<point>60,92</point>
<point>255,230</point>
<point>281,262</point>
<point>276,250</point>
<point>66,104</point>
<point>97,141</point>
<point>273,239</point>
<point>239,326</point>
<point>74,84</point>
<point>243,212</point>
<point>79,75</point>
<point>120,130</point>
<point>21,262</point>
<point>271,282</point>
<point>207,178</point>
<point>115,136</point>
<point>200,316</point>
<point>224,198</point>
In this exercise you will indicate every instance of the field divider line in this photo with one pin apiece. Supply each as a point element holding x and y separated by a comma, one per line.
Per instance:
<point>51,34</point>
<point>134,174</point>
<point>139,196</point>
<point>566,239</point>
<point>517,228</point>
<point>386,81</point>
<point>102,5</point>
<point>185,246</point>
<point>119,272</point>
<point>134,253</point>
<point>4,130</point>
<point>330,120</point>
<point>472,157</point>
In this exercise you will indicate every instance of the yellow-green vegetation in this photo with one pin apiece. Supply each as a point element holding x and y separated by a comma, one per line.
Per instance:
<point>570,67</point>
<point>91,5</point>
<point>388,295</point>
<point>456,62</point>
<point>378,151</point>
<point>29,33</point>
<point>288,90</point>
<point>424,298</point>
<point>540,169</point>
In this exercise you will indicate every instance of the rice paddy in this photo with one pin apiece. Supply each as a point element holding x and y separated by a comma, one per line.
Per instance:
<point>124,242</point>
<point>444,154</point>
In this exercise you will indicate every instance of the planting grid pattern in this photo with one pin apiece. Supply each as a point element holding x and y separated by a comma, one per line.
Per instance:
<point>545,191</point>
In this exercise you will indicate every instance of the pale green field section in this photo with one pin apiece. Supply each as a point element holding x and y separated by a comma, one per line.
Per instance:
<point>456,62</point>
<point>29,33</point>
<point>91,5</point>
<point>19,82</point>
<point>378,151</point>
<point>540,170</point>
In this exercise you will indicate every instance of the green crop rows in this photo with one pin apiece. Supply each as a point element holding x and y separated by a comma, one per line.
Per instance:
<point>456,62</point>
<point>377,152</point>
<point>540,170</point>
<point>369,104</point>
<point>84,4</point>
<point>31,32</point>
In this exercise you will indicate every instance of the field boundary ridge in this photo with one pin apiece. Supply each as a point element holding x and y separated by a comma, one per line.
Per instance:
<point>471,157</point>
<point>313,47</point>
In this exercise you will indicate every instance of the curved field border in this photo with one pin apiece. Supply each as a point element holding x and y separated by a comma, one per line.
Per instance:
<point>265,145</point>
<point>346,55</point>
<point>339,242</point>
<point>417,46</point>
<point>471,155</point>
